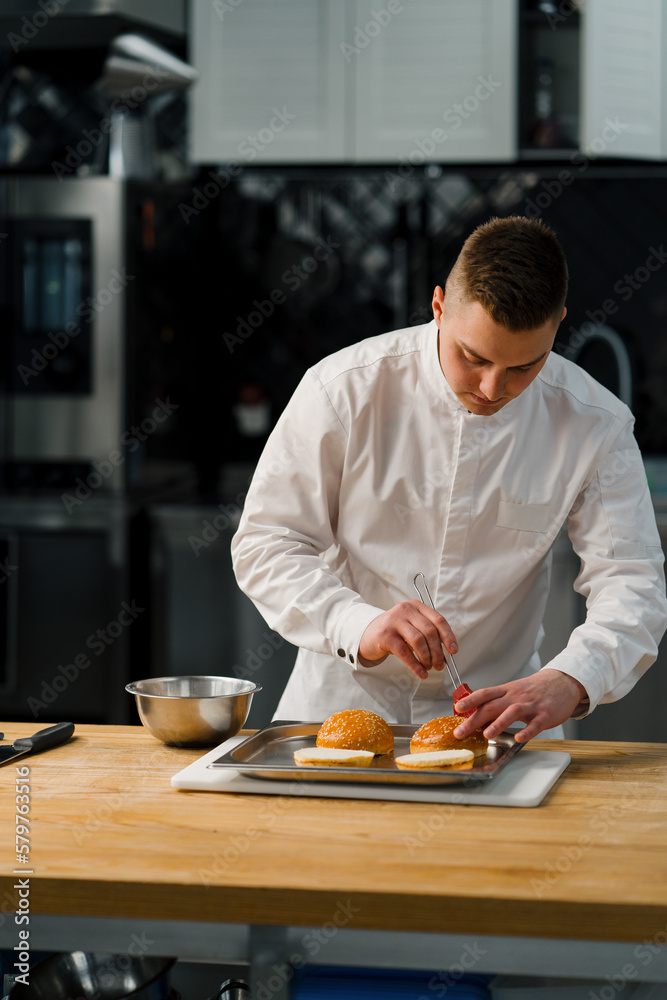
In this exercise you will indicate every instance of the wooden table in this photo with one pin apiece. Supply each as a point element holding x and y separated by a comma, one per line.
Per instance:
<point>112,845</point>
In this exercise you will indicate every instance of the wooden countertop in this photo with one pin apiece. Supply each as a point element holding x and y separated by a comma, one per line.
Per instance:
<point>110,837</point>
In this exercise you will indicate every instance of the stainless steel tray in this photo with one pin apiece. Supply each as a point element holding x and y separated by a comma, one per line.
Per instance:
<point>269,753</point>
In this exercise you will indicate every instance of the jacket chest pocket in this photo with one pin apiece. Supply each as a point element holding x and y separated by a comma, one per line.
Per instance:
<point>523,516</point>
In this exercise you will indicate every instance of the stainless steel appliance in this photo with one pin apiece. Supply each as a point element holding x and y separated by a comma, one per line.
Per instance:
<point>81,397</point>
<point>66,633</point>
<point>90,310</point>
<point>68,295</point>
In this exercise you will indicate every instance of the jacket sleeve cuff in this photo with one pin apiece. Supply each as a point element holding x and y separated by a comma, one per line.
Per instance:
<point>586,675</point>
<point>346,643</point>
<point>582,710</point>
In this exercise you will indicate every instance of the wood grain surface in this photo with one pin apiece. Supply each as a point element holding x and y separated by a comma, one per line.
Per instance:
<point>110,837</point>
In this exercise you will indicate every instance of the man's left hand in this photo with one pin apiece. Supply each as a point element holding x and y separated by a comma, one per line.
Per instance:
<point>542,700</point>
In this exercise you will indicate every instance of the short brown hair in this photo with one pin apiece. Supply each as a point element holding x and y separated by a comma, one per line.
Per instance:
<point>516,269</point>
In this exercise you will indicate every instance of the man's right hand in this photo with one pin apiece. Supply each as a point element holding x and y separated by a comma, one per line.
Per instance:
<point>408,630</point>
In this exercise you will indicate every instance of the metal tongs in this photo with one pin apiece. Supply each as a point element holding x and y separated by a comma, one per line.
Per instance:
<point>460,689</point>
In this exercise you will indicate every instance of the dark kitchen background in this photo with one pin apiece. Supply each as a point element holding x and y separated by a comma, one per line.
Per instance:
<point>209,285</point>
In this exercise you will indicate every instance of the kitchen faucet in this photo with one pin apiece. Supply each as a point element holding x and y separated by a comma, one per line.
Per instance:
<point>620,352</point>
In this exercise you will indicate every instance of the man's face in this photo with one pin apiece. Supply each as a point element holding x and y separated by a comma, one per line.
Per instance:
<point>485,364</point>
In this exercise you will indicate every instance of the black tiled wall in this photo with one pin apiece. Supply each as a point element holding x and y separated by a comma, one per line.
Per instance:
<point>304,262</point>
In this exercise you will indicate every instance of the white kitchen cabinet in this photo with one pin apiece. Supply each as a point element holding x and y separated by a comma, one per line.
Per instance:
<point>437,83</point>
<point>271,85</point>
<point>415,81</point>
<point>365,81</point>
<point>624,79</point>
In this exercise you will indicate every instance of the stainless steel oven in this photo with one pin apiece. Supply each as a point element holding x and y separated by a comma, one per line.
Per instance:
<point>68,293</point>
<point>86,315</point>
<point>88,306</point>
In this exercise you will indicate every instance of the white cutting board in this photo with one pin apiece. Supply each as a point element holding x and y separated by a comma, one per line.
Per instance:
<point>524,781</point>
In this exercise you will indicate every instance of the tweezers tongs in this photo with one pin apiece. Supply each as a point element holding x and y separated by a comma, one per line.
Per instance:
<point>460,689</point>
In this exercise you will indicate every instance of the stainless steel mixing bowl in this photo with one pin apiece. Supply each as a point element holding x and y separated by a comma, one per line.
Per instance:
<point>193,711</point>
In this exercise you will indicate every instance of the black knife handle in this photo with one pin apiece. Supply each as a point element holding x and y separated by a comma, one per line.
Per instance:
<point>46,738</point>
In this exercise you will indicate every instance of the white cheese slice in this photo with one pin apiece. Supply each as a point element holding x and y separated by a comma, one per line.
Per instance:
<point>435,758</point>
<point>331,757</point>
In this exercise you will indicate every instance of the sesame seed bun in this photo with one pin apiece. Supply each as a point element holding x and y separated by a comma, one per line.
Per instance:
<point>438,734</point>
<point>356,729</point>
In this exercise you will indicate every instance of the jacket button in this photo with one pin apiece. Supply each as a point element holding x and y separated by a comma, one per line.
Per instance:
<point>351,658</point>
<point>341,652</point>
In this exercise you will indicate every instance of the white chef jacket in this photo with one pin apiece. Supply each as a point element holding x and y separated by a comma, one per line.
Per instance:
<point>375,472</point>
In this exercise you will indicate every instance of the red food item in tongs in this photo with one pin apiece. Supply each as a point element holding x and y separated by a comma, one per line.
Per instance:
<point>461,691</point>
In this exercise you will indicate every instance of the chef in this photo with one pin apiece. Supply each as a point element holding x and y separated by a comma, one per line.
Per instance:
<point>457,449</point>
